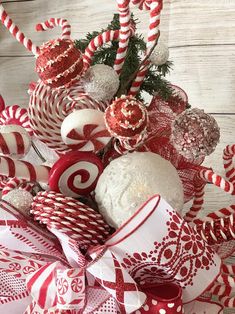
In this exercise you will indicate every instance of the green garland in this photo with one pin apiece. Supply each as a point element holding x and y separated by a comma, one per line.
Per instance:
<point>154,81</point>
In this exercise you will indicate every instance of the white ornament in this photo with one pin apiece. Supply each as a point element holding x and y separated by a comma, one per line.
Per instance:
<point>130,180</point>
<point>85,130</point>
<point>101,82</point>
<point>160,54</point>
<point>20,199</point>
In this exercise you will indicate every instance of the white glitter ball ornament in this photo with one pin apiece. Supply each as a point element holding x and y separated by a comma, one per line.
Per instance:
<point>101,82</point>
<point>130,180</point>
<point>160,54</point>
<point>20,199</point>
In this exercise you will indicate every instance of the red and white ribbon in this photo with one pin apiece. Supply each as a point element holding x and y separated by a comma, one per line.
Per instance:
<point>153,34</point>
<point>125,33</point>
<point>15,31</point>
<point>25,170</point>
<point>14,183</point>
<point>53,22</point>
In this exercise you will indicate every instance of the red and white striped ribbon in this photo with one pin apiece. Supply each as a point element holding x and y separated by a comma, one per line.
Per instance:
<point>53,22</point>
<point>153,34</point>
<point>142,4</point>
<point>15,183</point>
<point>15,31</point>
<point>228,302</point>
<point>228,154</point>
<point>125,33</point>
<point>14,144</point>
<point>228,269</point>
<point>25,170</point>
<point>97,42</point>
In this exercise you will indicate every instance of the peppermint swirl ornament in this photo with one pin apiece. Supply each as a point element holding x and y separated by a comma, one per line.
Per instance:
<point>75,174</point>
<point>126,119</point>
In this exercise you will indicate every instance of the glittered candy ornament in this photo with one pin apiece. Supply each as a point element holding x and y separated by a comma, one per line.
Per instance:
<point>160,54</point>
<point>195,134</point>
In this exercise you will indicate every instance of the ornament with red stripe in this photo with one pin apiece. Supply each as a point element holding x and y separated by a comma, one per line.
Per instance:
<point>17,116</point>
<point>14,143</point>
<point>71,217</point>
<point>75,174</point>
<point>126,119</point>
<point>85,130</point>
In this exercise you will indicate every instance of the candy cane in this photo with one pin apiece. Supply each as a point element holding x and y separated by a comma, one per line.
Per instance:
<point>14,30</point>
<point>97,42</point>
<point>228,154</point>
<point>153,34</point>
<point>53,22</point>
<point>14,144</point>
<point>197,202</point>
<point>25,170</point>
<point>125,33</point>
<point>228,302</point>
<point>217,231</point>
<point>15,183</point>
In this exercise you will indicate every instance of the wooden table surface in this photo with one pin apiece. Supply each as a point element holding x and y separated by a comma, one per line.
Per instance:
<point>200,35</point>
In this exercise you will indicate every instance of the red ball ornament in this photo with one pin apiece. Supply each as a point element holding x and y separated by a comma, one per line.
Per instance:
<point>126,118</point>
<point>59,63</point>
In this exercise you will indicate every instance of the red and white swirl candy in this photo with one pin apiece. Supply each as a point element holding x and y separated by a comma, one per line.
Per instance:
<point>85,130</point>
<point>17,116</point>
<point>71,217</point>
<point>49,107</point>
<point>75,174</point>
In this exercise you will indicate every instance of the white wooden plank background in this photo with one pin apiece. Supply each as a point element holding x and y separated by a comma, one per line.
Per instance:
<point>200,34</point>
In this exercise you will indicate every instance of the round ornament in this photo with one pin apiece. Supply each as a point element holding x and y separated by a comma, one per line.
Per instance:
<point>75,174</point>
<point>126,118</point>
<point>17,116</point>
<point>128,181</point>
<point>101,82</point>
<point>59,64</point>
<point>195,134</point>
<point>20,199</point>
<point>85,130</point>
<point>160,54</point>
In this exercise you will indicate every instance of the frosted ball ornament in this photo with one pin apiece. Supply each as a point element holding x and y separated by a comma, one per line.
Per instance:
<point>130,180</point>
<point>160,54</point>
<point>20,199</point>
<point>101,82</point>
<point>195,134</point>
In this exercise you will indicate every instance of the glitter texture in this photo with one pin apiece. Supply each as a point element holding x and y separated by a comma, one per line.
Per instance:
<point>160,54</point>
<point>20,199</point>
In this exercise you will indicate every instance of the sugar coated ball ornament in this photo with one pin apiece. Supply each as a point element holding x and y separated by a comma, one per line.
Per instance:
<point>75,174</point>
<point>126,119</point>
<point>20,199</point>
<point>160,54</point>
<point>128,181</point>
<point>85,130</point>
<point>101,82</point>
<point>195,134</point>
<point>59,63</point>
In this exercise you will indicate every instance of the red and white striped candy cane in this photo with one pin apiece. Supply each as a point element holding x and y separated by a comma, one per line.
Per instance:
<point>25,170</point>
<point>229,153</point>
<point>228,302</point>
<point>15,31</point>
<point>15,183</point>
<point>53,22</point>
<point>125,33</point>
<point>97,42</point>
<point>153,34</point>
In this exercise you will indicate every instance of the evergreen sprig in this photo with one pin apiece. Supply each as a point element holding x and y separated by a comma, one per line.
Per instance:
<point>154,81</point>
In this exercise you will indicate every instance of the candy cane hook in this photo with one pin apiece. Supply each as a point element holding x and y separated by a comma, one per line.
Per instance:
<point>53,22</point>
<point>15,31</point>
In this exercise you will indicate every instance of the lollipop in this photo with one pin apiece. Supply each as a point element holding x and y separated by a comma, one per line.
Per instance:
<point>75,174</point>
<point>71,217</point>
<point>17,116</point>
<point>85,130</point>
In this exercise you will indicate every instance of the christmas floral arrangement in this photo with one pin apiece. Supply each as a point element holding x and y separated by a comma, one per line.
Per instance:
<point>96,225</point>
